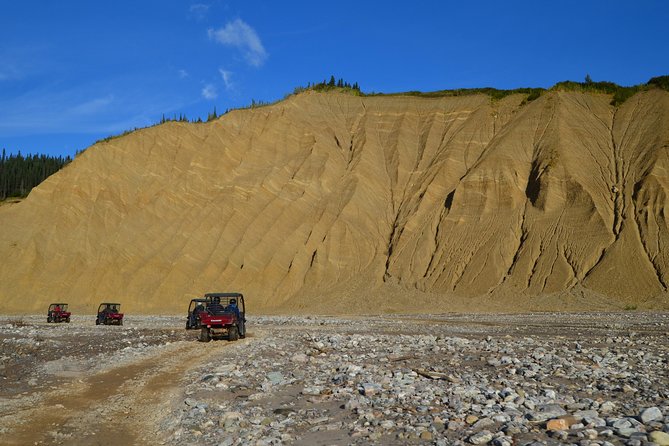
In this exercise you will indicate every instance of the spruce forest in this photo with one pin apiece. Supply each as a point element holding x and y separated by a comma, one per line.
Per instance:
<point>19,174</point>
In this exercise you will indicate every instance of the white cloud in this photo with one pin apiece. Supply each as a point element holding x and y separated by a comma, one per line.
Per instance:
<point>240,35</point>
<point>209,92</point>
<point>183,74</point>
<point>227,79</point>
<point>199,11</point>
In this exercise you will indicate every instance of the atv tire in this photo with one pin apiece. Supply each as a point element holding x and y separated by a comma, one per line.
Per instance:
<point>49,320</point>
<point>233,333</point>
<point>67,320</point>
<point>204,336</point>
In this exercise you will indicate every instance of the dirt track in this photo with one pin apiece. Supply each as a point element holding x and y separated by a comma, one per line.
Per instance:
<point>113,398</point>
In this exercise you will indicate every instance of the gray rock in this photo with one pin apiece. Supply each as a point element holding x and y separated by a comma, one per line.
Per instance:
<point>313,390</point>
<point>582,414</point>
<point>594,422</point>
<point>545,412</point>
<point>275,378</point>
<point>621,423</point>
<point>607,407</point>
<point>502,441</point>
<point>300,358</point>
<point>482,437</point>
<point>483,423</point>
<point>626,432</point>
<point>369,389</point>
<point>651,414</point>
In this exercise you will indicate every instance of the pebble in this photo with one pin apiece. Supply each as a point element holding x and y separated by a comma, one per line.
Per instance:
<point>372,380</point>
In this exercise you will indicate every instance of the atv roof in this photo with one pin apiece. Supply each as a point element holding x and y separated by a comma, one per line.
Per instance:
<point>58,303</point>
<point>224,295</point>
<point>109,303</point>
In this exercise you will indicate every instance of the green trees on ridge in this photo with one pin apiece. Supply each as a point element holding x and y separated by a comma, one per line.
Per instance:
<point>19,174</point>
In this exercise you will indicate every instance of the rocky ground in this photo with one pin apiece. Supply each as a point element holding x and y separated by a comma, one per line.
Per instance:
<point>586,379</point>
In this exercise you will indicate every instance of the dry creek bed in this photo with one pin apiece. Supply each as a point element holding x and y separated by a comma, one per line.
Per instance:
<point>525,379</point>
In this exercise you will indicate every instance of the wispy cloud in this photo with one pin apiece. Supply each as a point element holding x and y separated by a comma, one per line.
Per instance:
<point>92,106</point>
<point>227,79</point>
<point>183,74</point>
<point>242,36</point>
<point>199,11</point>
<point>82,109</point>
<point>9,72</point>
<point>209,92</point>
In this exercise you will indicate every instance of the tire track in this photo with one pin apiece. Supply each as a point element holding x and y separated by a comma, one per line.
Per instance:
<point>118,406</point>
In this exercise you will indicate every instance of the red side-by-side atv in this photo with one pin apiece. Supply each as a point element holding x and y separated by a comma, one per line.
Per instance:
<point>58,313</point>
<point>109,314</point>
<point>224,317</point>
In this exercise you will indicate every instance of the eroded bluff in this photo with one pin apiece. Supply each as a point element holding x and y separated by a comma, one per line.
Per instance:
<point>331,202</point>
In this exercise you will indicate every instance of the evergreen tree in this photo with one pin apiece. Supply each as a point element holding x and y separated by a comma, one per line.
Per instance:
<point>19,174</point>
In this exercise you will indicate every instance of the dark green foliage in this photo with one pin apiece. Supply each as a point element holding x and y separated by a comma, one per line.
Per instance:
<point>660,82</point>
<point>624,93</point>
<point>534,94</point>
<point>331,85</point>
<point>495,94</point>
<point>211,116</point>
<point>127,132</point>
<point>620,94</point>
<point>19,174</point>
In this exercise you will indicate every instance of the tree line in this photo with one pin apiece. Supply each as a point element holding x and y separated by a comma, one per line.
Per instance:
<point>332,84</point>
<point>19,174</point>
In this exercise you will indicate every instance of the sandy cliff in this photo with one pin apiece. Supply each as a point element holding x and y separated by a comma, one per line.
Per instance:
<point>332,202</point>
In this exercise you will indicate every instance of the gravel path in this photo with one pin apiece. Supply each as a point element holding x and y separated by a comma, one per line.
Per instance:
<point>585,379</point>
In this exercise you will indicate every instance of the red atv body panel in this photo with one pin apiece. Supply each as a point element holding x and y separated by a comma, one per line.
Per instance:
<point>220,321</point>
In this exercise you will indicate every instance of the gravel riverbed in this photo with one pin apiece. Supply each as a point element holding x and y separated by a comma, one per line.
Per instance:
<point>525,379</point>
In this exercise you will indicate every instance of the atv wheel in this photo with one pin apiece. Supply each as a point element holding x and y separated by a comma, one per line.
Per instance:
<point>49,320</point>
<point>233,333</point>
<point>242,332</point>
<point>67,320</point>
<point>97,322</point>
<point>205,336</point>
<point>120,322</point>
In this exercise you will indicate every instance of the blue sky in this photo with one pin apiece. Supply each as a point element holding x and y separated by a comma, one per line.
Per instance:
<point>72,72</point>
